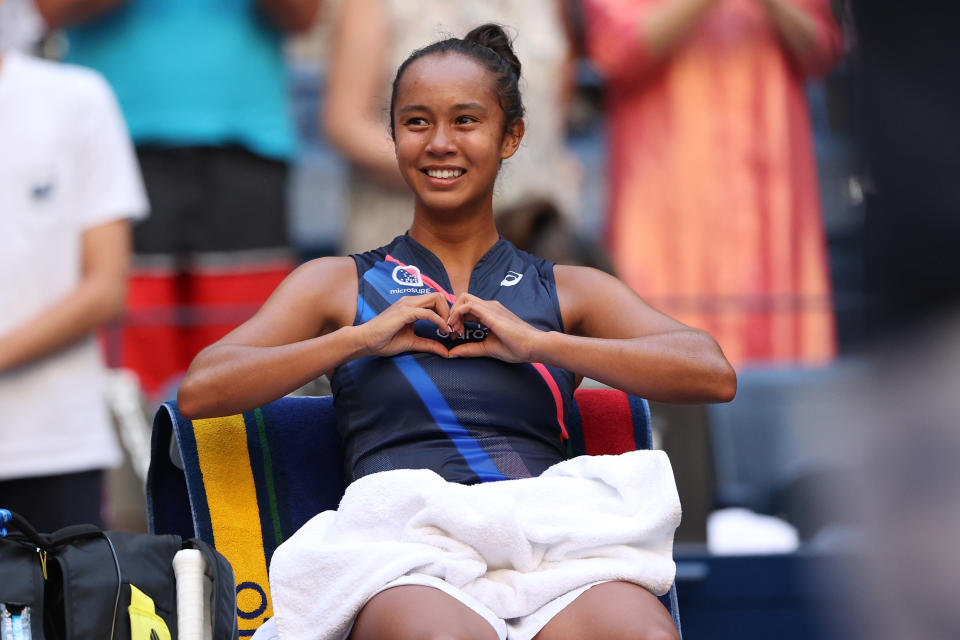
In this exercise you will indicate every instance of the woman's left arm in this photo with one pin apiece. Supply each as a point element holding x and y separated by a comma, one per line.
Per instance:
<point>809,31</point>
<point>612,336</point>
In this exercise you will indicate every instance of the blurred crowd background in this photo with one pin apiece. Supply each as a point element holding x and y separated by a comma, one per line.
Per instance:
<point>780,173</point>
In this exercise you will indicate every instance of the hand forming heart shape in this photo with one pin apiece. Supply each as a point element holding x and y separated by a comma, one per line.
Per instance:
<point>507,338</point>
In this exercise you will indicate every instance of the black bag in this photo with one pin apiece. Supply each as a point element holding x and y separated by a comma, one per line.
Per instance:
<point>77,583</point>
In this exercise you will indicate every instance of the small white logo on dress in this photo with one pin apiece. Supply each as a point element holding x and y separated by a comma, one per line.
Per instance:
<point>511,279</point>
<point>407,275</point>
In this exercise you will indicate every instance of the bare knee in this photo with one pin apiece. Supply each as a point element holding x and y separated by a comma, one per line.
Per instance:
<point>411,633</point>
<point>441,634</point>
<point>626,630</point>
<point>612,611</point>
<point>660,633</point>
<point>415,612</point>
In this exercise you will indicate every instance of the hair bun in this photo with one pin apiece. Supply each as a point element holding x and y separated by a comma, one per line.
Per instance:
<point>493,37</point>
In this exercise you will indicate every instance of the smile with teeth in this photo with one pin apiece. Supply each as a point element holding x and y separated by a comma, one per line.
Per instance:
<point>444,173</point>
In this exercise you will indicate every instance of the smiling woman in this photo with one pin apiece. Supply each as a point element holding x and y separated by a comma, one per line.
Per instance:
<point>450,145</point>
<point>449,350</point>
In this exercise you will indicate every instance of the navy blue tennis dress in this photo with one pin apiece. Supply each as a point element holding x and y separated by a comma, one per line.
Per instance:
<point>468,419</point>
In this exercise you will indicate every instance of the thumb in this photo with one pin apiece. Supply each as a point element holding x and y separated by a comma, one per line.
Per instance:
<point>468,350</point>
<point>429,346</point>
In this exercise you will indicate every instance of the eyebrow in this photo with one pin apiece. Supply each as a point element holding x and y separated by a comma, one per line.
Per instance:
<point>413,107</point>
<point>463,106</point>
<point>467,106</point>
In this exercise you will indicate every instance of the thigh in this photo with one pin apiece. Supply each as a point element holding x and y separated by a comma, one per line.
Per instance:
<point>612,610</point>
<point>415,611</point>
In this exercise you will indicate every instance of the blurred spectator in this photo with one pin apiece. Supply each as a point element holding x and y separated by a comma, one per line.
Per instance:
<point>537,226</point>
<point>370,40</point>
<point>69,184</point>
<point>202,84</point>
<point>715,214</point>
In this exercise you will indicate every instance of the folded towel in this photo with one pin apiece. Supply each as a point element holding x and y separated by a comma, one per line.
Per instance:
<point>512,545</point>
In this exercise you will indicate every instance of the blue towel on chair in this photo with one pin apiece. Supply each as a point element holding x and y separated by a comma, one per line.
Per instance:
<point>248,483</point>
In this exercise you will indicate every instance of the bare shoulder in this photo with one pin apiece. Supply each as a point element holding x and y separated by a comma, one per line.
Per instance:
<point>328,285</point>
<point>326,271</point>
<point>595,303</point>
<point>580,288</point>
<point>316,298</point>
<point>573,277</point>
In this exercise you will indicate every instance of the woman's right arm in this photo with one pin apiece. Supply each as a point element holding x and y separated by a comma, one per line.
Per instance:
<point>302,331</point>
<point>305,329</point>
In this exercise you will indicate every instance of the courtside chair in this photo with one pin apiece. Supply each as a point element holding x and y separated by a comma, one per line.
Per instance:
<point>245,483</point>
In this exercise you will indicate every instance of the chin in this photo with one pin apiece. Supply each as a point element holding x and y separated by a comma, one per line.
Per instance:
<point>443,202</point>
<point>442,207</point>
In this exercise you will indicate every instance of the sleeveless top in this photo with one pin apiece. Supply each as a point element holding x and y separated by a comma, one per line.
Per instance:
<point>468,419</point>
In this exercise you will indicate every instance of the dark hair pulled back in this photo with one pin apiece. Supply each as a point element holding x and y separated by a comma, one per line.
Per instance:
<point>489,45</point>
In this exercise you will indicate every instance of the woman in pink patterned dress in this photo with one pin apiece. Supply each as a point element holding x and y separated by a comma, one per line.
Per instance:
<point>715,215</point>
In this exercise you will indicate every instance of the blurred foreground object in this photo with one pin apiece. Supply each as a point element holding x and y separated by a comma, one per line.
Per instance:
<point>908,101</point>
<point>715,215</point>
<point>898,430</point>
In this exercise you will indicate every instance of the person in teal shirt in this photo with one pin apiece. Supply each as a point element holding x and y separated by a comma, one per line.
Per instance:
<point>203,88</point>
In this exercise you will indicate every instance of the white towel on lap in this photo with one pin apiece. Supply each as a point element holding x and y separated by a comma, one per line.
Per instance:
<point>513,545</point>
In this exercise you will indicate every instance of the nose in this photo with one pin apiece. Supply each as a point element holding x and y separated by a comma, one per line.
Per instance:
<point>441,142</point>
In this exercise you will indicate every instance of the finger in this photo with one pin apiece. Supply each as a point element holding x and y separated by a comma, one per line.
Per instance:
<point>435,301</point>
<point>428,346</point>
<point>469,350</point>
<point>429,315</point>
<point>464,298</point>
<point>442,307</point>
<point>459,313</point>
<point>471,314</point>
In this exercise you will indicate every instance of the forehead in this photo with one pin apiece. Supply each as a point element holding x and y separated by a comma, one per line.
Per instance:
<point>445,78</point>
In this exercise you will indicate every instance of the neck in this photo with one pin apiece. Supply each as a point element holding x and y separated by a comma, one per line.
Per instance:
<point>458,239</point>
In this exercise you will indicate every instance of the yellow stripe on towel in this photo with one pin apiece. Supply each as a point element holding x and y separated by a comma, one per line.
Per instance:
<point>234,514</point>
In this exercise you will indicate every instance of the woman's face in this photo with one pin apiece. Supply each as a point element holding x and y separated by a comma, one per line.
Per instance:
<point>449,131</point>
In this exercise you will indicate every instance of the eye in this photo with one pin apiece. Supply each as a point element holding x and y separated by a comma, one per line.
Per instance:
<point>416,121</point>
<point>466,120</point>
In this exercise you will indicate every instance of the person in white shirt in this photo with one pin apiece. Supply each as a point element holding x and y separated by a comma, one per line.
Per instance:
<point>21,25</point>
<point>69,187</point>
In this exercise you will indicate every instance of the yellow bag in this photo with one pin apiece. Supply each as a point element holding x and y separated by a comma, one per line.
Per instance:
<point>145,624</point>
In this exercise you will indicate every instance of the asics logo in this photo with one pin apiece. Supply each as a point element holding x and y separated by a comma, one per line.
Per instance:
<point>407,275</point>
<point>511,279</point>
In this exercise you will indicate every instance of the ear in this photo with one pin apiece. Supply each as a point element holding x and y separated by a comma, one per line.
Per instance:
<point>512,138</point>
